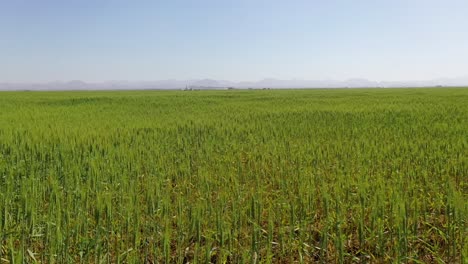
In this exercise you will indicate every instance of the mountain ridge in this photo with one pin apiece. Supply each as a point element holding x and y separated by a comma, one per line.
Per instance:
<point>172,84</point>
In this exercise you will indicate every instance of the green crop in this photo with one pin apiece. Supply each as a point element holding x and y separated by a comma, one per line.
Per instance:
<point>275,176</point>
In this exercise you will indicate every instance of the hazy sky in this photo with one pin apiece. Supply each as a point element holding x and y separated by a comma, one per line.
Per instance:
<point>98,40</point>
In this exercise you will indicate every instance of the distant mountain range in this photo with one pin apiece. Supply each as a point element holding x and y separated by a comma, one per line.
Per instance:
<point>220,84</point>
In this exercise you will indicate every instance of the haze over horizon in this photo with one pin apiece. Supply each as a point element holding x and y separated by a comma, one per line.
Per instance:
<point>242,41</point>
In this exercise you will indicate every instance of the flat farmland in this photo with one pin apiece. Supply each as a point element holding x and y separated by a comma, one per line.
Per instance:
<point>238,176</point>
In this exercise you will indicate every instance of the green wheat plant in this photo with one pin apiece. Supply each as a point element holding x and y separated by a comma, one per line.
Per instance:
<point>238,176</point>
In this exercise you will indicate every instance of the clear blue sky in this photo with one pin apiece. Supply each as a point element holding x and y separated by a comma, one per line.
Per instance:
<point>99,40</point>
